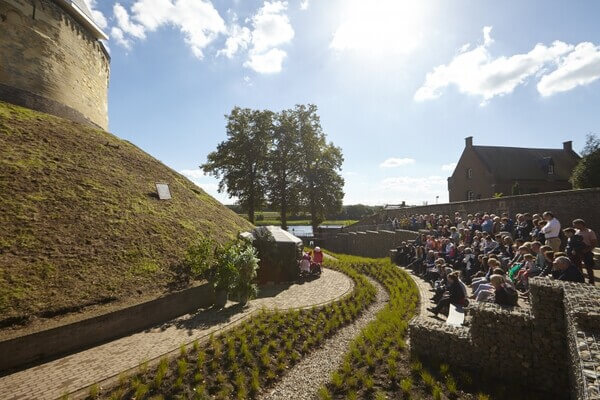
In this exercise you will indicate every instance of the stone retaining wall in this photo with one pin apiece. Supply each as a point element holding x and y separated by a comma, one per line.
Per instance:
<point>52,343</point>
<point>567,205</point>
<point>552,348</point>
<point>367,244</point>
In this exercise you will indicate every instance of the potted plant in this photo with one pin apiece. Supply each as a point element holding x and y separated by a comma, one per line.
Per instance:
<point>223,274</point>
<point>246,264</point>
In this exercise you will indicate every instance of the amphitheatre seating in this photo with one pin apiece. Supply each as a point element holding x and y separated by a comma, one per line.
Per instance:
<point>456,315</point>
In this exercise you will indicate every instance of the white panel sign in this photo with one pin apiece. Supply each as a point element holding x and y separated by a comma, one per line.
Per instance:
<point>163,191</point>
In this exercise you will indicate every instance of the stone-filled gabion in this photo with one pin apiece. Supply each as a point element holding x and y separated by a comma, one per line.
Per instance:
<point>552,348</point>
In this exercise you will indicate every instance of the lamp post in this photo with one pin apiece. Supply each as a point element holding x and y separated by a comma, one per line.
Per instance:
<point>436,199</point>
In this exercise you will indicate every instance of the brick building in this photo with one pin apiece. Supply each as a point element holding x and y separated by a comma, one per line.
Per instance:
<point>483,171</point>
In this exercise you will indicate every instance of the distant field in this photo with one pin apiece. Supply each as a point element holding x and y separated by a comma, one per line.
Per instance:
<point>303,222</point>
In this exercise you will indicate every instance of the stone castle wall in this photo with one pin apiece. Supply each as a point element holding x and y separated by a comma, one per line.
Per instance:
<point>50,63</point>
<point>552,348</point>
<point>368,243</point>
<point>567,205</point>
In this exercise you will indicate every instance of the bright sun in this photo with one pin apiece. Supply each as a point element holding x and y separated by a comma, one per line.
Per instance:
<point>380,27</point>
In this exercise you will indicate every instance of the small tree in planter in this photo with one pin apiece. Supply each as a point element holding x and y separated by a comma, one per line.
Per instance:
<point>224,274</point>
<point>246,264</point>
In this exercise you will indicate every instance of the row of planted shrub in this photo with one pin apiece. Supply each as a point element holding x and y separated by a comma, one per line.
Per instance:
<point>251,356</point>
<point>371,365</point>
<point>377,364</point>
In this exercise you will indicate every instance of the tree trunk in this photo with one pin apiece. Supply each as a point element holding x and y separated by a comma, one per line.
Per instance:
<point>251,202</point>
<point>313,211</point>
<point>284,206</point>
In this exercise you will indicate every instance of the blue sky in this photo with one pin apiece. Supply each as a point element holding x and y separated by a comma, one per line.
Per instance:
<point>399,85</point>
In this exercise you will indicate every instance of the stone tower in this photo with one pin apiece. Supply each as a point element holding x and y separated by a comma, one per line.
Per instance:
<point>52,59</point>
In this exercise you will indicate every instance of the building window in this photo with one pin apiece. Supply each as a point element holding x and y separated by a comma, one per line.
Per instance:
<point>470,195</point>
<point>469,173</point>
<point>550,169</point>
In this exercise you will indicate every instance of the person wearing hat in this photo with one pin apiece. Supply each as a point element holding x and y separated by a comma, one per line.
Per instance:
<point>317,255</point>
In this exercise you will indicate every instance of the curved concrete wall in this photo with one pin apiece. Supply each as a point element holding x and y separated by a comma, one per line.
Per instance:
<point>50,63</point>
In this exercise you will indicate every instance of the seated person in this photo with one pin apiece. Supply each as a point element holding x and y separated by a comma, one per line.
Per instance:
<point>568,271</point>
<point>456,294</point>
<point>504,295</point>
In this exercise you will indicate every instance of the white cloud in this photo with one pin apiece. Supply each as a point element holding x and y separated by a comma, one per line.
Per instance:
<point>580,67</point>
<point>395,190</point>
<point>125,25</point>
<point>487,38</point>
<point>239,38</point>
<point>380,27</point>
<point>117,35</point>
<point>449,167</point>
<point>304,4</point>
<point>271,28</point>
<point>476,72</point>
<point>198,20</point>
<point>208,184</point>
<point>408,184</point>
<point>97,15</point>
<point>396,162</point>
<point>266,63</point>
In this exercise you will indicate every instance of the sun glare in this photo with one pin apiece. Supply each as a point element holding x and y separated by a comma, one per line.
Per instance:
<point>380,27</point>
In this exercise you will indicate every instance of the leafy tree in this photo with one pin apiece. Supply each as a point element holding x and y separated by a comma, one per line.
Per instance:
<point>241,161</point>
<point>587,172</point>
<point>283,165</point>
<point>321,185</point>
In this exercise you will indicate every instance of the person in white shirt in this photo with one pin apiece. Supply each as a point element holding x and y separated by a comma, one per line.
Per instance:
<point>551,231</point>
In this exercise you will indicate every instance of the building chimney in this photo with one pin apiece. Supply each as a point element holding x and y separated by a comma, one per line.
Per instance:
<point>469,141</point>
<point>568,146</point>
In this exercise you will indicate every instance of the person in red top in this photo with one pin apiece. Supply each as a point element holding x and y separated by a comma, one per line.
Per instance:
<point>317,260</point>
<point>317,256</point>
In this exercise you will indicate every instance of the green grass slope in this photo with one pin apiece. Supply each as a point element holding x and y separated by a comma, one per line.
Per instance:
<point>80,223</point>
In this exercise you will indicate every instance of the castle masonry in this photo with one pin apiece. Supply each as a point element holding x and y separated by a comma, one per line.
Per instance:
<point>52,59</point>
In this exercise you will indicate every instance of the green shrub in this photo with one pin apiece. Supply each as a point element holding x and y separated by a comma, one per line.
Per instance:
<point>161,371</point>
<point>94,391</point>
<point>324,394</point>
<point>406,385</point>
<point>200,257</point>
<point>451,386</point>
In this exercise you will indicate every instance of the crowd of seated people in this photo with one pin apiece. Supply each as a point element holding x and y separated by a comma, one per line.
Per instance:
<point>495,255</point>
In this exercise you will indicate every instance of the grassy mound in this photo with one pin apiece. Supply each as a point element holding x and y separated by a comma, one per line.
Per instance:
<point>81,223</point>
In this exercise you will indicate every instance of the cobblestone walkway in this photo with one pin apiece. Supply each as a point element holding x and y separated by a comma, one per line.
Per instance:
<point>77,371</point>
<point>424,295</point>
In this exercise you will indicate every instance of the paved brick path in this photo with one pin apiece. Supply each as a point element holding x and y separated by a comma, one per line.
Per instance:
<point>424,294</point>
<point>80,370</point>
